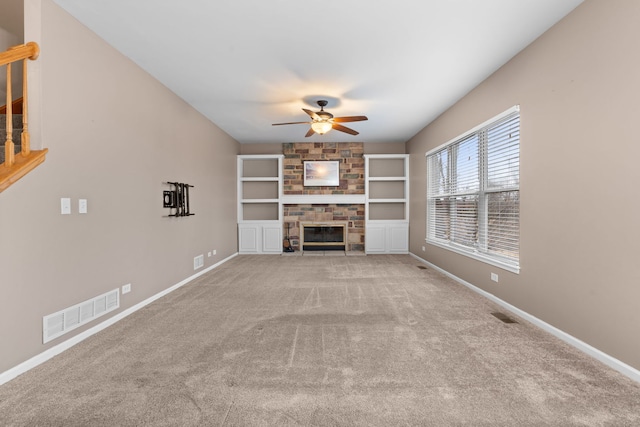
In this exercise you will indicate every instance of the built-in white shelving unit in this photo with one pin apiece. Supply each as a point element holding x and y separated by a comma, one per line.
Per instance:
<point>259,203</point>
<point>386,203</point>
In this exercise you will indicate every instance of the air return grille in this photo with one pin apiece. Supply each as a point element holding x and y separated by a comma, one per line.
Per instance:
<point>57,324</point>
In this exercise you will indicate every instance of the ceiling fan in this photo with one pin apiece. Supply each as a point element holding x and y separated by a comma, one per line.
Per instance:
<point>323,121</point>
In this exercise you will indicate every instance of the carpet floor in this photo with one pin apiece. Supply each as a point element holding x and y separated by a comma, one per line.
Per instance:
<point>321,341</point>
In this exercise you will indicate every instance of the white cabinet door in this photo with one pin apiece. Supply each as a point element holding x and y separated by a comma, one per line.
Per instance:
<point>272,239</point>
<point>248,238</point>
<point>398,238</point>
<point>258,238</point>
<point>387,238</point>
<point>374,239</point>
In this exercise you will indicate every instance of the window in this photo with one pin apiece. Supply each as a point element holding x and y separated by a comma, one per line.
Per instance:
<point>473,192</point>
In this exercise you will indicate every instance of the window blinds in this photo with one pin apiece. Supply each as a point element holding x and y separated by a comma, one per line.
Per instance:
<point>473,198</point>
<point>501,235</point>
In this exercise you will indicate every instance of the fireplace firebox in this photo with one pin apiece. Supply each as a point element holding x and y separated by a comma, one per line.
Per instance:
<point>323,236</point>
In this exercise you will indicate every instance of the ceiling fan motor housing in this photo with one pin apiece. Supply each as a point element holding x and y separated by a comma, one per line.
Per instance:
<point>324,115</point>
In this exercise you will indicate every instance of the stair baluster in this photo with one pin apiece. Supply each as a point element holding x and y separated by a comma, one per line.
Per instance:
<point>25,141</point>
<point>9,149</point>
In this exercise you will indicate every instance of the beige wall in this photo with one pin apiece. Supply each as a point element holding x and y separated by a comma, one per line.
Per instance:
<point>9,14</point>
<point>577,87</point>
<point>12,17</point>
<point>7,40</point>
<point>265,148</point>
<point>114,135</point>
<point>385,148</point>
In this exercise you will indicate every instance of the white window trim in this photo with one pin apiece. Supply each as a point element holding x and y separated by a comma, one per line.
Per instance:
<point>514,109</point>
<point>463,250</point>
<point>475,255</point>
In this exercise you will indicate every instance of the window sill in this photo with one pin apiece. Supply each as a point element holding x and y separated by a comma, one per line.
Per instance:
<point>512,267</point>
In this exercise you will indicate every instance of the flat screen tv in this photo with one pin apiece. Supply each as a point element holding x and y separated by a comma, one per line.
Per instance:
<point>321,173</point>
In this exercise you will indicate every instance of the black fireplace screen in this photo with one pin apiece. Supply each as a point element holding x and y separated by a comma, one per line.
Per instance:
<point>323,234</point>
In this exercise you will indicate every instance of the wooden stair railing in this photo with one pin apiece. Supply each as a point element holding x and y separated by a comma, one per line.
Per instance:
<point>17,166</point>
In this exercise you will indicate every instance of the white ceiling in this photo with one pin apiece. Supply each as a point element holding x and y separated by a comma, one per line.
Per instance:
<point>246,64</point>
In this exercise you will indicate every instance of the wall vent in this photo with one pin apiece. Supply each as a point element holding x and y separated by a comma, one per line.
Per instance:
<point>57,324</point>
<point>198,262</point>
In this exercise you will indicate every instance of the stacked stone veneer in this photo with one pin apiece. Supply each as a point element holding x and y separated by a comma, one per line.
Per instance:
<point>350,156</point>
<point>353,215</point>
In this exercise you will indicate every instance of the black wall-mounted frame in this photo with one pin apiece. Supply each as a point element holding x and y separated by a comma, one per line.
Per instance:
<point>177,198</point>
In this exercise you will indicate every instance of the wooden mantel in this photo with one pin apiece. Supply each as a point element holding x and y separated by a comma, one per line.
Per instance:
<point>317,199</point>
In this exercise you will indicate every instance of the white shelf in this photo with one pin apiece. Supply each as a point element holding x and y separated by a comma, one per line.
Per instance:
<point>386,156</point>
<point>387,178</point>
<point>387,200</point>
<point>260,179</point>
<point>389,231</point>
<point>260,219</point>
<point>255,166</point>
<point>262,233</point>
<point>393,163</point>
<point>387,221</point>
<point>259,201</point>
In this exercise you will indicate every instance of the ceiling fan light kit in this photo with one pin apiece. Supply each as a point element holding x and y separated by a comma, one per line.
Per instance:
<point>323,121</point>
<point>321,127</point>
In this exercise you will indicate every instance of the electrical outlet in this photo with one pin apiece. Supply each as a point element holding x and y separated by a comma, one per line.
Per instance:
<point>208,254</point>
<point>214,251</point>
<point>424,249</point>
<point>494,277</point>
<point>126,288</point>
<point>82,206</point>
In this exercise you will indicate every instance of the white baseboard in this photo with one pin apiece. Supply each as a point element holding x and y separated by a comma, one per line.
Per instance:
<point>59,348</point>
<point>608,360</point>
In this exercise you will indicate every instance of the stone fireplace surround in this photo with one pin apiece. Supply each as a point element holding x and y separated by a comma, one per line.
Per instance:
<point>351,215</point>
<point>342,204</point>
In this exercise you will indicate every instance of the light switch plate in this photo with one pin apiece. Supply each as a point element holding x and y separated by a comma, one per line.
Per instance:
<point>65,206</point>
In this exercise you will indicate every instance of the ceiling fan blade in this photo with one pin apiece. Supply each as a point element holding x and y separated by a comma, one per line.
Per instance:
<point>344,129</point>
<point>349,119</point>
<point>312,114</point>
<point>311,132</point>
<point>290,123</point>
